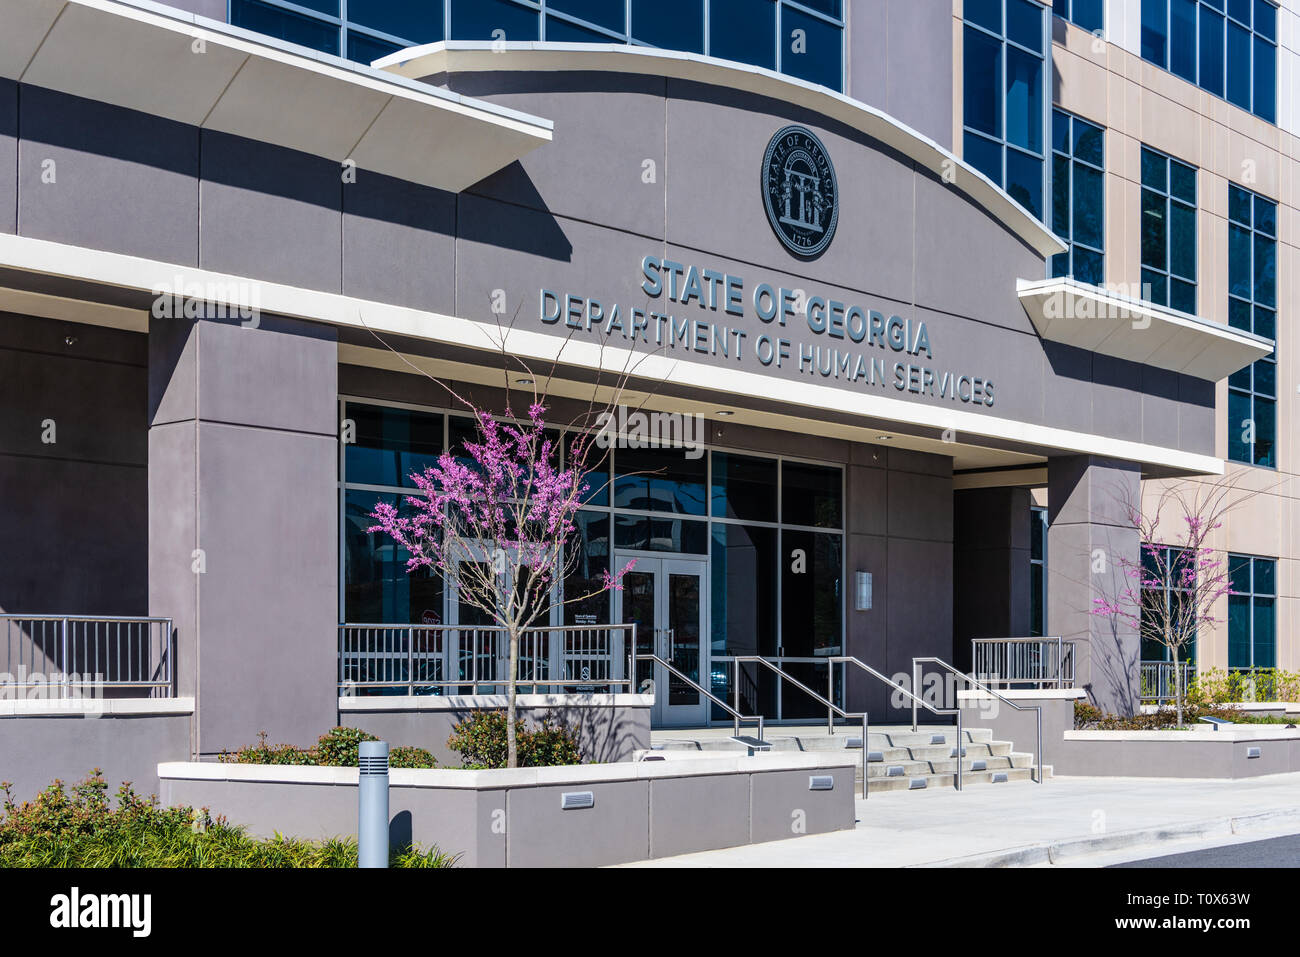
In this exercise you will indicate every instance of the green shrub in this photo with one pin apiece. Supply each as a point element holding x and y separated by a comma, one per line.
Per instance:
<point>337,748</point>
<point>1087,717</point>
<point>481,742</point>
<point>83,829</point>
<point>1268,684</point>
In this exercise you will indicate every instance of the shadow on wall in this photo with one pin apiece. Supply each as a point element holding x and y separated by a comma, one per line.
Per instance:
<point>606,734</point>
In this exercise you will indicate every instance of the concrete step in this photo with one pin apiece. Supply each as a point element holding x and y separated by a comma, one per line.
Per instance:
<point>940,752</point>
<point>910,769</point>
<point>933,781</point>
<point>841,740</point>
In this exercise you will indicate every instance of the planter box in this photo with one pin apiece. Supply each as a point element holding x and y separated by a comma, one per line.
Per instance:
<point>514,818</point>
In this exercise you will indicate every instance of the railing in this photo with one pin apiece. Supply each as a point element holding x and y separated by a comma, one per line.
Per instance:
<point>442,659</point>
<point>830,706</point>
<point>1043,662</point>
<point>916,683</point>
<point>942,712</point>
<point>1158,681</point>
<point>67,655</point>
<point>637,656</point>
<point>776,709</point>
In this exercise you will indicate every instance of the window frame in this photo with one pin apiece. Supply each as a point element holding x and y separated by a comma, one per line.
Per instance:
<point>1072,159</point>
<point>1169,200</point>
<point>1253,395</point>
<point>1251,597</point>
<point>1003,143</point>
<point>1254,38</point>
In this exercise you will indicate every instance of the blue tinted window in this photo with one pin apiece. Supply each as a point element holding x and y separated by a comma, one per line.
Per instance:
<point>1252,299</point>
<point>1233,57</point>
<point>981,97</point>
<point>480,19</point>
<point>366,49</point>
<point>1088,14</point>
<point>1003,97</point>
<point>285,25</point>
<point>417,21</point>
<point>604,13</point>
<point>1168,231</point>
<point>1252,619</point>
<point>562,31</point>
<point>671,24</point>
<point>817,57</point>
<point>1212,51</point>
<point>745,31</point>
<point>1182,38</point>
<point>1155,31</point>
<point>1025,24</point>
<point>389,444</point>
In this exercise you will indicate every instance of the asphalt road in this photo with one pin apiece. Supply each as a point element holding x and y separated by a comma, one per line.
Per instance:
<point>1274,852</point>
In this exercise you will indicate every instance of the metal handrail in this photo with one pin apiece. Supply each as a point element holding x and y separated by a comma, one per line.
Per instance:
<point>916,681</point>
<point>830,705</point>
<point>961,746</point>
<point>152,655</point>
<point>736,716</point>
<point>1064,656</point>
<point>448,653</point>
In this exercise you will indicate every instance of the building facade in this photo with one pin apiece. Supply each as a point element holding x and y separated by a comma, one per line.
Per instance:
<point>935,327</point>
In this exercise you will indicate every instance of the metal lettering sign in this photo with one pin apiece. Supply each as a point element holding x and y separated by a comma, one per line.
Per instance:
<point>800,192</point>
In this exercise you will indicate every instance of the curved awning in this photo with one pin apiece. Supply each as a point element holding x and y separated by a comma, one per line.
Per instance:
<point>459,56</point>
<point>1090,318</point>
<point>210,75</point>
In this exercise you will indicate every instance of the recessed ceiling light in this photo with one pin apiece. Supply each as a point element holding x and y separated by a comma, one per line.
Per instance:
<point>725,412</point>
<point>884,438</point>
<point>523,382</point>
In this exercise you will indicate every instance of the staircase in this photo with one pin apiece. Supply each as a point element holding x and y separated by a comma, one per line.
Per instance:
<point>899,758</point>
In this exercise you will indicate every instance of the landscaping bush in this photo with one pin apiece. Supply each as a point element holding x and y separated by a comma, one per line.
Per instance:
<point>1087,717</point>
<point>1215,686</point>
<point>337,748</point>
<point>83,829</point>
<point>481,742</point>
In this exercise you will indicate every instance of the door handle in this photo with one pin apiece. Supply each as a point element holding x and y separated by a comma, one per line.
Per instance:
<point>672,642</point>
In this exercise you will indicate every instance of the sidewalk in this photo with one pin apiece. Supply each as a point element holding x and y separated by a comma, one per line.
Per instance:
<point>1074,821</point>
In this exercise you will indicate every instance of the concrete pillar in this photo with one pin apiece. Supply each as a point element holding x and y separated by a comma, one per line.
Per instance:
<point>243,522</point>
<point>1088,533</point>
<point>991,580</point>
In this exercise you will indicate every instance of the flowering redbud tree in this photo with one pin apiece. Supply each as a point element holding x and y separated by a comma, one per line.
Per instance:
<point>1173,586</point>
<point>496,523</point>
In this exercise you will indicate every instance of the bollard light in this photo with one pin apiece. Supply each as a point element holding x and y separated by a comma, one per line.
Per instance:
<point>372,805</point>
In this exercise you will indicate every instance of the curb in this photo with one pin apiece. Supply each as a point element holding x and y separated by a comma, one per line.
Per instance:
<point>1058,852</point>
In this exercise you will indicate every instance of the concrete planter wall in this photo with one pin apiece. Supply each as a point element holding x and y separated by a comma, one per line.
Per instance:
<point>42,740</point>
<point>610,727</point>
<point>1226,753</point>
<point>514,818</point>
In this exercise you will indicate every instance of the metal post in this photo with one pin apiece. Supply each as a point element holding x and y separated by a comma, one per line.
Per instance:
<point>916,690</point>
<point>372,805</point>
<point>960,747</point>
<point>830,696</point>
<point>1040,745</point>
<point>64,643</point>
<point>866,751</point>
<point>410,661</point>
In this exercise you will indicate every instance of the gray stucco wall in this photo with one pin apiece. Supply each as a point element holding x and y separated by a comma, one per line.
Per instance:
<point>577,216</point>
<point>36,750</point>
<point>74,526</point>
<point>1089,540</point>
<point>243,522</point>
<point>1173,758</point>
<point>520,823</point>
<point>900,60</point>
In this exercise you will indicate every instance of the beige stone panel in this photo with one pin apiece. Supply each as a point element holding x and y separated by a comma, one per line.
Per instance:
<point>1253,165</point>
<point>1212,235</point>
<point>1219,156</point>
<point>1117,103</point>
<point>1126,217</point>
<point>1256,526</point>
<point>1121,257</point>
<point>1288,648</point>
<point>1080,87</point>
<point>1084,44</point>
<point>1169,126</point>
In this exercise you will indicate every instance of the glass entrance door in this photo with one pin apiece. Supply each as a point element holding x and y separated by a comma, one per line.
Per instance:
<point>664,597</point>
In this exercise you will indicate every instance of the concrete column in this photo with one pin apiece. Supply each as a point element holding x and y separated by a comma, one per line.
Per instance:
<point>1088,533</point>
<point>243,522</point>
<point>991,581</point>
